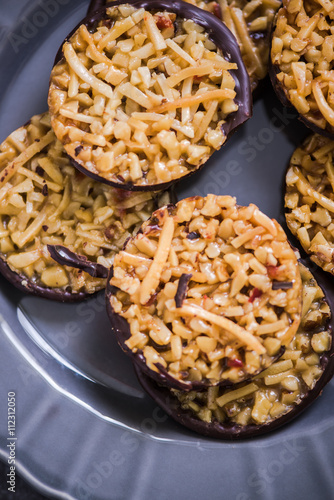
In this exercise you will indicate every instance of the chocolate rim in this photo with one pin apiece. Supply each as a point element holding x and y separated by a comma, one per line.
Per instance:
<point>95,5</point>
<point>24,284</point>
<point>120,328</point>
<point>273,70</point>
<point>171,405</point>
<point>220,35</point>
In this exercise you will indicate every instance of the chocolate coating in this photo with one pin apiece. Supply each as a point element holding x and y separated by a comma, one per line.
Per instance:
<point>26,285</point>
<point>66,257</point>
<point>95,5</point>
<point>232,431</point>
<point>220,35</point>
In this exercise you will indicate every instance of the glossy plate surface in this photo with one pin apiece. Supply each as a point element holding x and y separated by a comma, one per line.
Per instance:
<point>85,429</point>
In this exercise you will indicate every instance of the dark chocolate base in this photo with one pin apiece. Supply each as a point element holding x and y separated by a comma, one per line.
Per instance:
<point>164,397</point>
<point>95,5</point>
<point>25,285</point>
<point>220,35</point>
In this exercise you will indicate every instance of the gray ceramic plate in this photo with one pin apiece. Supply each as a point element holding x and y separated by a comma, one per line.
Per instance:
<point>85,429</point>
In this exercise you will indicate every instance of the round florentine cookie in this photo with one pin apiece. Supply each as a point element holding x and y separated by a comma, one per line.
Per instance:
<point>302,60</point>
<point>141,99</point>
<point>251,23</point>
<point>272,398</point>
<point>309,199</point>
<point>44,201</point>
<point>208,293</point>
